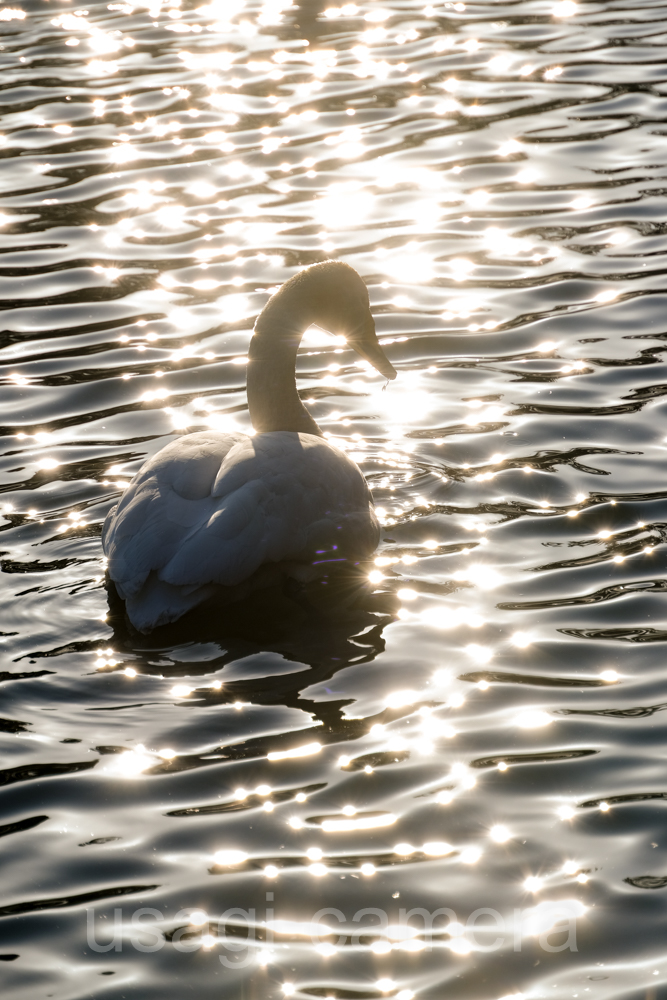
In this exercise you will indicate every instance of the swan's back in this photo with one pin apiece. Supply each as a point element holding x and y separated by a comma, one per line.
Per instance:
<point>211,510</point>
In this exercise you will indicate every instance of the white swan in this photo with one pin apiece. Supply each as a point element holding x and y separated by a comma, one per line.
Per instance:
<point>219,515</point>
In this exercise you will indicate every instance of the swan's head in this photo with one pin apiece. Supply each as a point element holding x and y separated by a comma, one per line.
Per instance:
<point>330,295</point>
<point>342,307</point>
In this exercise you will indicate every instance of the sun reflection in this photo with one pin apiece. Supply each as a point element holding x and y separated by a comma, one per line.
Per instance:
<point>446,617</point>
<point>307,750</point>
<point>533,719</point>
<point>345,205</point>
<point>229,857</point>
<point>500,834</point>
<point>398,699</point>
<point>131,763</point>
<point>480,654</point>
<point>359,823</point>
<point>484,577</point>
<point>437,848</point>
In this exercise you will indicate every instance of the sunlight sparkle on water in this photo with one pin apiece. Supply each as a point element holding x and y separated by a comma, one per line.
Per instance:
<point>480,654</point>
<point>484,577</point>
<point>500,834</point>
<point>326,949</point>
<point>532,719</point>
<point>460,946</point>
<point>398,699</point>
<point>131,763</point>
<point>181,690</point>
<point>437,848</point>
<point>304,751</point>
<point>360,823</point>
<point>446,618</point>
<point>229,857</point>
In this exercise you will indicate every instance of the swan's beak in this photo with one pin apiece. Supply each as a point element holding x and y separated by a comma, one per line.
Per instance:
<point>368,347</point>
<point>376,356</point>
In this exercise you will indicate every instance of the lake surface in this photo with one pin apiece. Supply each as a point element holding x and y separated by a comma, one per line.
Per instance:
<point>455,786</point>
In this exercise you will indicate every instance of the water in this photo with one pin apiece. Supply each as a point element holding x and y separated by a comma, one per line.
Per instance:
<point>495,171</point>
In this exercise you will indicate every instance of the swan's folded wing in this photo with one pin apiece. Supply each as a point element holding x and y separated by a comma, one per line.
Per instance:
<point>280,497</point>
<point>168,500</point>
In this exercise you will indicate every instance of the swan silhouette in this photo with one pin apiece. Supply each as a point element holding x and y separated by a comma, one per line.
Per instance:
<point>218,515</point>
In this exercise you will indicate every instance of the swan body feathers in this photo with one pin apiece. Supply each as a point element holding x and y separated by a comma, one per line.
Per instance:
<point>216,507</point>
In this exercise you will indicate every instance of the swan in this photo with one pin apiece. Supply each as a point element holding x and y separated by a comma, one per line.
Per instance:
<point>218,515</point>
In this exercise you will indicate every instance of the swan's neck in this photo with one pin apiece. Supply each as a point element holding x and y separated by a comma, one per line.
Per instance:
<point>273,400</point>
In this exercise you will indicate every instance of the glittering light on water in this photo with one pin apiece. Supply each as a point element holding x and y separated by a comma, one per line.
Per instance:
<point>607,296</point>
<point>500,833</point>
<point>229,857</point>
<point>398,699</point>
<point>303,751</point>
<point>566,8</point>
<point>484,577</point>
<point>181,690</point>
<point>549,914</point>
<point>437,848</point>
<point>131,763</point>
<point>460,946</point>
<point>480,654</point>
<point>360,823</point>
<point>446,618</point>
<point>533,719</point>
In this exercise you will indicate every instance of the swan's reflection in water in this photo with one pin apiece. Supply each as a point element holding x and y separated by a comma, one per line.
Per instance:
<point>266,650</point>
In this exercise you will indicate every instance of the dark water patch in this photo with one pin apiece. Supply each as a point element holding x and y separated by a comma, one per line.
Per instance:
<point>638,712</point>
<point>21,824</point>
<point>505,677</point>
<point>647,881</point>
<point>61,902</point>
<point>531,758</point>
<point>34,772</point>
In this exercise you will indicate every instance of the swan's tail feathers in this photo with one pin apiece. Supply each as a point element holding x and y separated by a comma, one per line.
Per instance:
<point>159,603</point>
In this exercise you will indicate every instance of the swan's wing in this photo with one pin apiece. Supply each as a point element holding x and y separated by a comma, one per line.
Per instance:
<point>211,509</point>
<point>278,497</point>
<point>169,498</point>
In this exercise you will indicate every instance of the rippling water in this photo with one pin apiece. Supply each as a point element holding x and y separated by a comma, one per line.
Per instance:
<point>476,807</point>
